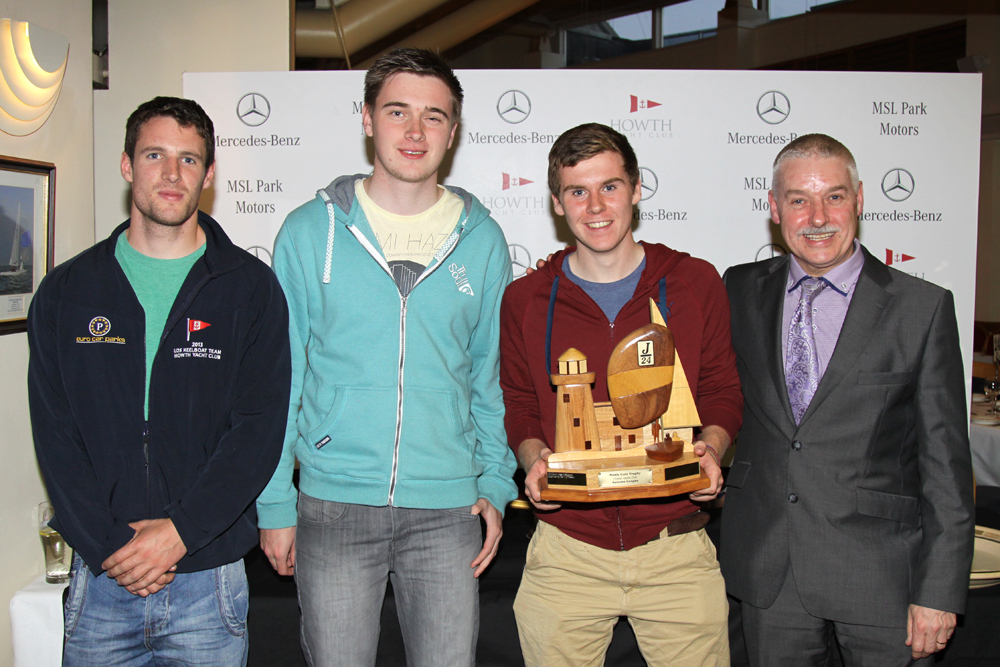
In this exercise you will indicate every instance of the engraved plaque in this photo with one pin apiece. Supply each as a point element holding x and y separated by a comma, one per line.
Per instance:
<point>682,471</point>
<point>567,478</point>
<point>613,478</point>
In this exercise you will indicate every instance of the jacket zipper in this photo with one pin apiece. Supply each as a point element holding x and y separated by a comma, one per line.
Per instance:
<point>168,327</point>
<point>145,421</point>
<point>145,454</point>
<point>366,244</point>
<point>399,398</point>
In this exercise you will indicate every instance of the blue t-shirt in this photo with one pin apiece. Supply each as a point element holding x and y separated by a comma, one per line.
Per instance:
<point>611,297</point>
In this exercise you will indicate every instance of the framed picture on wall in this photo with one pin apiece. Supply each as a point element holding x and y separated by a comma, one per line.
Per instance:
<point>27,218</point>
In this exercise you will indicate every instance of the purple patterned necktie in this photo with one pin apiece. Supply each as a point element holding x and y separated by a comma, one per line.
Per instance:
<point>801,361</point>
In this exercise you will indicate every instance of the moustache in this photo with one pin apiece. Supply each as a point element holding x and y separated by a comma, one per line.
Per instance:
<point>825,229</point>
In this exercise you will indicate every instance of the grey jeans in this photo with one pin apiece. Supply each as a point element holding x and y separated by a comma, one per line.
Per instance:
<point>343,557</point>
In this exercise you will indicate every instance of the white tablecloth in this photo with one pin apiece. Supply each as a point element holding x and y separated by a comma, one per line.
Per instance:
<point>36,624</point>
<point>985,442</point>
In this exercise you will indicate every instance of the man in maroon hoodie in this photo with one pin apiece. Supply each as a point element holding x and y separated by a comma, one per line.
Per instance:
<point>648,560</point>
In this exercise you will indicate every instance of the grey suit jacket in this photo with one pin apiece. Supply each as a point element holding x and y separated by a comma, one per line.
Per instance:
<point>869,500</point>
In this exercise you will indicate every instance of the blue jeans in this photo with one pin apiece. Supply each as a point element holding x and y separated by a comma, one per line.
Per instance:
<point>344,555</point>
<point>200,618</point>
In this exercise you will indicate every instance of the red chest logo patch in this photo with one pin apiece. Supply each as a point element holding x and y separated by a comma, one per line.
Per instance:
<point>196,325</point>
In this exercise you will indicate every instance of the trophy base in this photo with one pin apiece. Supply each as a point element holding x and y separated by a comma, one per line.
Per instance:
<point>627,476</point>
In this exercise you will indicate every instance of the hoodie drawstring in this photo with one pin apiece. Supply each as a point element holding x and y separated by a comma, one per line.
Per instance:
<point>548,326</point>
<point>328,264</point>
<point>663,305</point>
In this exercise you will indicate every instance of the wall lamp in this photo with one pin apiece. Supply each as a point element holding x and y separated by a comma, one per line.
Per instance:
<point>32,66</point>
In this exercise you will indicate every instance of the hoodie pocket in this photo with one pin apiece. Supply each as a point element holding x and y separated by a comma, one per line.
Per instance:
<point>435,442</point>
<point>316,435</point>
<point>355,438</point>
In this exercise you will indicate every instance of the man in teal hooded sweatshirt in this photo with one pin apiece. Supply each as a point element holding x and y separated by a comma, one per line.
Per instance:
<point>396,415</point>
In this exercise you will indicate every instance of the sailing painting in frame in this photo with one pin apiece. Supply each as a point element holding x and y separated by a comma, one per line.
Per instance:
<point>27,196</point>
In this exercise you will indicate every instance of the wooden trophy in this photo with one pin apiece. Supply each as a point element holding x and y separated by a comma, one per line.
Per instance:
<point>639,445</point>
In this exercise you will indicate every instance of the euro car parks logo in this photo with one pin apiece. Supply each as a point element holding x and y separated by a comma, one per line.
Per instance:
<point>520,259</point>
<point>253,109</point>
<point>897,184</point>
<point>99,326</point>
<point>773,107</point>
<point>514,106</point>
<point>637,104</point>
<point>514,181</point>
<point>649,184</point>
<point>896,257</point>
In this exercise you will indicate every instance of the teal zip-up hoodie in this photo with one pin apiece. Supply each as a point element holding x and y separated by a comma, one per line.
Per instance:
<point>395,399</point>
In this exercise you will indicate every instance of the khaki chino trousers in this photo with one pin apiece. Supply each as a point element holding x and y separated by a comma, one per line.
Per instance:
<point>573,593</point>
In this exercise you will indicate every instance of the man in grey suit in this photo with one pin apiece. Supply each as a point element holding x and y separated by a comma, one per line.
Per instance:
<point>849,509</point>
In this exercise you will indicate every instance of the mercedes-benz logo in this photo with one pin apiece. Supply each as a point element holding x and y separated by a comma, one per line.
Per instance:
<point>514,106</point>
<point>520,259</point>
<point>773,107</point>
<point>897,184</point>
<point>253,109</point>
<point>261,253</point>
<point>770,250</point>
<point>649,184</point>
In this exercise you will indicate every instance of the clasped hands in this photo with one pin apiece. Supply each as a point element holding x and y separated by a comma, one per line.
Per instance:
<point>148,561</point>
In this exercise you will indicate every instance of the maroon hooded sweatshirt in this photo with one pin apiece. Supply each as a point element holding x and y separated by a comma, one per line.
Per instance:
<point>697,315</point>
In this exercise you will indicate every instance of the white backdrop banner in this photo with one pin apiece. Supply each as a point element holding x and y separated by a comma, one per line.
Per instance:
<point>705,142</point>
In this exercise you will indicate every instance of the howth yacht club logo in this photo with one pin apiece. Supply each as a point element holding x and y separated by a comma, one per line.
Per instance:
<point>513,181</point>
<point>637,104</point>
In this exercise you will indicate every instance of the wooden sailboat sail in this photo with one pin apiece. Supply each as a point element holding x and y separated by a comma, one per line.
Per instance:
<point>682,412</point>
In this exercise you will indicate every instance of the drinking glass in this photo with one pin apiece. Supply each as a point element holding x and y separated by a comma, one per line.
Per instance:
<point>58,555</point>
<point>992,389</point>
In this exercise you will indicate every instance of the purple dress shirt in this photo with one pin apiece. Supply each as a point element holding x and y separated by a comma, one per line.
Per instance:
<point>829,307</point>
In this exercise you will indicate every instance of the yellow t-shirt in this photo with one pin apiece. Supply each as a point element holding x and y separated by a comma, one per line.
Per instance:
<point>409,242</point>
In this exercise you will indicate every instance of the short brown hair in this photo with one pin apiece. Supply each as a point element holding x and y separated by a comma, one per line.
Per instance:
<point>584,142</point>
<point>412,61</point>
<point>816,145</point>
<point>187,113</point>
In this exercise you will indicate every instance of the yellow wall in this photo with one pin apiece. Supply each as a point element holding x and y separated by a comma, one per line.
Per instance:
<point>65,140</point>
<point>152,43</point>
